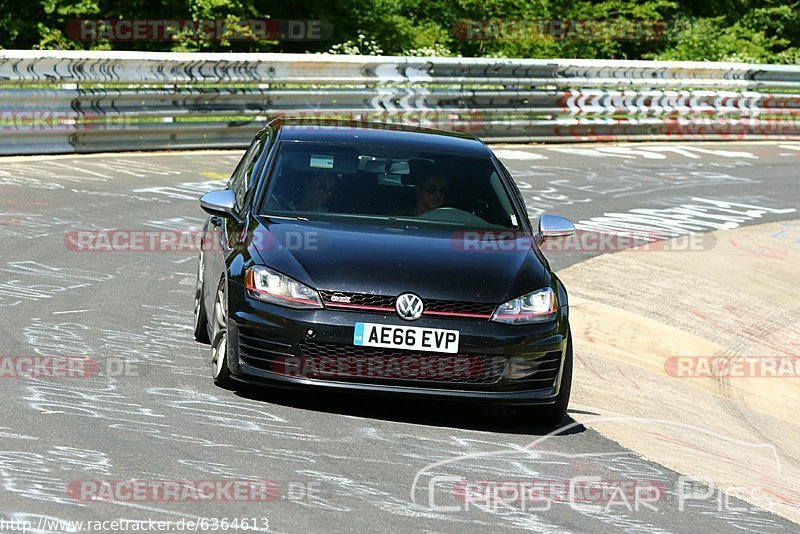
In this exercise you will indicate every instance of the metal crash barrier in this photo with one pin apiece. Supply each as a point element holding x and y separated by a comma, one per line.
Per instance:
<point>79,102</point>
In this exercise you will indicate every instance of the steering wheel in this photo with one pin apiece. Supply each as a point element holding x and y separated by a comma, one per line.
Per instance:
<point>452,215</point>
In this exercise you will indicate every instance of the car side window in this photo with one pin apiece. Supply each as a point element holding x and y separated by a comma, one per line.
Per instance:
<point>239,181</point>
<point>514,186</point>
<point>256,169</point>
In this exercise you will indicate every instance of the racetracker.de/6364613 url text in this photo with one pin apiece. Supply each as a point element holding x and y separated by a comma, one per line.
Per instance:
<point>187,524</point>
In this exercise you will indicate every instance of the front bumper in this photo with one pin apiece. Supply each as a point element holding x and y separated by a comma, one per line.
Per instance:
<point>263,337</point>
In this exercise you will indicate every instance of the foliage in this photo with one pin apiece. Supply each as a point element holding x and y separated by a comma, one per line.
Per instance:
<point>756,31</point>
<point>360,47</point>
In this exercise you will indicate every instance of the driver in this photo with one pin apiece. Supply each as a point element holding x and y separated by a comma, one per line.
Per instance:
<point>317,191</point>
<point>429,193</point>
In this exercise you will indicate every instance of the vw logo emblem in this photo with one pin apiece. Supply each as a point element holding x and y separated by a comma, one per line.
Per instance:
<point>409,306</point>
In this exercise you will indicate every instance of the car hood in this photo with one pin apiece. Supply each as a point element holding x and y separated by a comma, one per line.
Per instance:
<point>435,264</point>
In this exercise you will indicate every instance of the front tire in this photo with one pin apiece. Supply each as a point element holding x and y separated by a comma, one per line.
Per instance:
<point>550,414</point>
<point>219,340</point>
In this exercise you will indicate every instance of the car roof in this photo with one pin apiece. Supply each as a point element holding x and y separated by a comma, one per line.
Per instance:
<point>375,133</point>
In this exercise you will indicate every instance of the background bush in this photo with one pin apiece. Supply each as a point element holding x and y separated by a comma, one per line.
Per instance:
<point>714,30</point>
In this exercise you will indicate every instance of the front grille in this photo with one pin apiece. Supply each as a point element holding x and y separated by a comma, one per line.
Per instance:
<point>358,299</point>
<point>449,306</point>
<point>333,361</point>
<point>365,301</point>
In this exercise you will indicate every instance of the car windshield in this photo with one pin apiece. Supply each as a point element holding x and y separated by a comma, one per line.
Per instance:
<point>387,186</point>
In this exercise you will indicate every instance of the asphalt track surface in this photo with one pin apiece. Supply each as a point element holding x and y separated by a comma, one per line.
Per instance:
<point>332,463</point>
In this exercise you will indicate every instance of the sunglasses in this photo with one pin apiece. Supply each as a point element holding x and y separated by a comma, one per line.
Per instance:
<point>431,189</point>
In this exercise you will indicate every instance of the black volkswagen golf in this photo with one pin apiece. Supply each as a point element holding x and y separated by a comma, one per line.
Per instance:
<point>386,260</point>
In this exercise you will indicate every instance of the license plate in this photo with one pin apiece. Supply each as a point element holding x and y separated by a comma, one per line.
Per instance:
<point>406,337</point>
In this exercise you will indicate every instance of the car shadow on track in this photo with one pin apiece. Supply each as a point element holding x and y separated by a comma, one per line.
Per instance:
<point>439,413</point>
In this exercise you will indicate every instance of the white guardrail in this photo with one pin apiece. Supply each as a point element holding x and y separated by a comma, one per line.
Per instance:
<point>78,102</point>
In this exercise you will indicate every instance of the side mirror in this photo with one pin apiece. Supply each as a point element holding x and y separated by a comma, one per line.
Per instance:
<point>220,203</point>
<point>551,226</point>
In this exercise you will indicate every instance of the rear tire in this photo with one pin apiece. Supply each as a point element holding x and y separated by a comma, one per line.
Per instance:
<point>200,316</point>
<point>549,414</point>
<point>219,340</point>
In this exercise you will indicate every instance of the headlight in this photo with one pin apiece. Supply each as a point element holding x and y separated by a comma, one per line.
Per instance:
<point>535,307</point>
<point>270,286</point>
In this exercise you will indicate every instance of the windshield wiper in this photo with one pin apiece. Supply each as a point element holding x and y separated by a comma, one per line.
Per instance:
<point>286,217</point>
